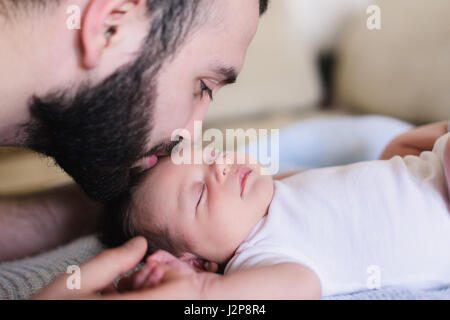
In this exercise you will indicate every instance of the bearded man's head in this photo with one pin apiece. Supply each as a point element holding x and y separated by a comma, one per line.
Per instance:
<point>98,130</point>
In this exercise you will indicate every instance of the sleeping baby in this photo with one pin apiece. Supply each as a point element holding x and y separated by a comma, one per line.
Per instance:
<point>315,233</point>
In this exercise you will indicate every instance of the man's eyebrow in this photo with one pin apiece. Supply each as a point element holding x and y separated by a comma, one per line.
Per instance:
<point>228,75</point>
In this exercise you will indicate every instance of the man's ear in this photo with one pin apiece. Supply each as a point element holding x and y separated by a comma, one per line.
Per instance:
<point>103,23</point>
<point>199,264</point>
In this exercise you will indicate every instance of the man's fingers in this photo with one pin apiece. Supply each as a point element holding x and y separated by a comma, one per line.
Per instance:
<point>135,281</point>
<point>155,277</point>
<point>99,272</point>
<point>141,276</point>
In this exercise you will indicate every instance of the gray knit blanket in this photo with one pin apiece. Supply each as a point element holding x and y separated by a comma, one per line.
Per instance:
<point>24,278</point>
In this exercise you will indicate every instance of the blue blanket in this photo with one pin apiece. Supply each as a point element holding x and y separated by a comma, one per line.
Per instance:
<point>331,141</point>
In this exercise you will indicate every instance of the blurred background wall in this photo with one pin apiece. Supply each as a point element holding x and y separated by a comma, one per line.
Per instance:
<point>316,58</point>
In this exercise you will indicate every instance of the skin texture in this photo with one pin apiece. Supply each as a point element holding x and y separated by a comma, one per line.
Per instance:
<point>64,59</point>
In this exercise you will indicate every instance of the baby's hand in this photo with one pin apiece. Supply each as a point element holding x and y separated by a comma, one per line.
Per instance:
<point>171,275</point>
<point>163,266</point>
<point>415,141</point>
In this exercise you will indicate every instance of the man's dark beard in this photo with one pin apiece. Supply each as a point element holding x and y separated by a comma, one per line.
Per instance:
<point>97,134</point>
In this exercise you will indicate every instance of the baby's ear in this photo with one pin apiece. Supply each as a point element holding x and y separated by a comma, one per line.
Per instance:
<point>199,264</point>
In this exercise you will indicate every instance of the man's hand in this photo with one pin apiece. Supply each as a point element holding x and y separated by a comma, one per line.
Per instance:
<point>168,277</point>
<point>98,274</point>
<point>415,141</point>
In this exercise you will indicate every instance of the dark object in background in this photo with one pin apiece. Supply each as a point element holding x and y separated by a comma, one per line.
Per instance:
<point>327,64</point>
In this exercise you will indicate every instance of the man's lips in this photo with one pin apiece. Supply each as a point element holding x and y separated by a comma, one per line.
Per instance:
<point>244,174</point>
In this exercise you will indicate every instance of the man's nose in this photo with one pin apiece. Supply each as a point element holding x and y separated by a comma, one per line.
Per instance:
<point>198,116</point>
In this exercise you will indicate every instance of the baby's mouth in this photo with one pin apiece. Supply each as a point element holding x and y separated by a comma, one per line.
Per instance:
<point>244,174</point>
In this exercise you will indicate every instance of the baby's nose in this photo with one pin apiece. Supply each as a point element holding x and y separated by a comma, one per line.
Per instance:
<point>222,171</point>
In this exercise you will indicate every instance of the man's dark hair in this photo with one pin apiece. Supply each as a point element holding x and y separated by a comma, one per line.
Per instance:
<point>97,133</point>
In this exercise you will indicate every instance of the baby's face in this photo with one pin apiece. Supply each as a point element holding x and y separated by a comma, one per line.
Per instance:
<point>211,207</point>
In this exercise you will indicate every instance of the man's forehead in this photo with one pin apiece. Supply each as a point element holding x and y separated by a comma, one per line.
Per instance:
<point>234,19</point>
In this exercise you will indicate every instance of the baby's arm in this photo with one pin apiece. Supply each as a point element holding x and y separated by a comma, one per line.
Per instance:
<point>280,281</point>
<point>415,141</point>
<point>173,278</point>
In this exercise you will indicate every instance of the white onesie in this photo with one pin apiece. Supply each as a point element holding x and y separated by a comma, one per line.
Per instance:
<point>363,226</point>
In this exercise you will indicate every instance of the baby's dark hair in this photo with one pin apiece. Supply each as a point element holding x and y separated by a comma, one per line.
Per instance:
<point>121,223</point>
